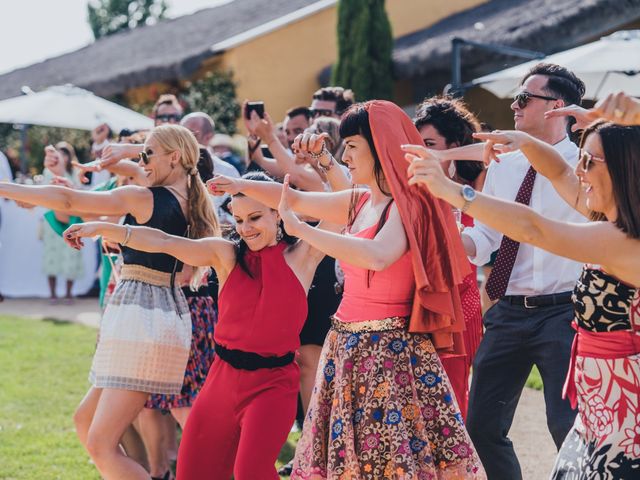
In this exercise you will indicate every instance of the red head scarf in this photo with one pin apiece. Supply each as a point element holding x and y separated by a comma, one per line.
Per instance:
<point>439,261</point>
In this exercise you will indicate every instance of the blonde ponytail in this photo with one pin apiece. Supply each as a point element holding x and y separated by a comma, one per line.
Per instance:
<point>201,216</point>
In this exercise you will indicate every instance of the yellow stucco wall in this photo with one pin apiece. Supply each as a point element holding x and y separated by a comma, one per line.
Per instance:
<point>281,67</point>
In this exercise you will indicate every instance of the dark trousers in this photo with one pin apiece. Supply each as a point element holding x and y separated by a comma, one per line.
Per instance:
<point>516,338</point>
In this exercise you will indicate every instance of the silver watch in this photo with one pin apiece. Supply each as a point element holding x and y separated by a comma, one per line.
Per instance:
<point>469,195</point>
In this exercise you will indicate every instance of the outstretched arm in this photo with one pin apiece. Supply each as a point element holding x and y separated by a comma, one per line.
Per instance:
<point>332,207</point>
<point>616,107</point>
<point>598,243</point>
<point>205,252</point>
<point>545,159</point>
<point>135,200</point>
<point>375,254</point>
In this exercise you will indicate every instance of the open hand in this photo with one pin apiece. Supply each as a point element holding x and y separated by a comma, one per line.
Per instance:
<point>62,182</point>
<point>220,184</point>
<point>75,233</point>
<point>84,168</point>
<point>500,141</point>
<point>112,154</point>
<point>425,169</point>
<point>583,116</point>
<point>619,108</point>
<point>289,219</point>
<point>53,160</point>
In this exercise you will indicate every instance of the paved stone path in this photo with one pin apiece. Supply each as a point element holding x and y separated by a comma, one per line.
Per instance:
<point>529,434</point>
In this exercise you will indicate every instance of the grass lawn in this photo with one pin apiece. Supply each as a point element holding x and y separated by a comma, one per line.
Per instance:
<point>43,375</point>
<point>534,381</point>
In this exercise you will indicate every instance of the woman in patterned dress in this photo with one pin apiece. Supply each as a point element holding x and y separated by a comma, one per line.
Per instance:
<point>604,374</point>
<point>382,405</point>
<point>58,259</point>
<point>145,333</point>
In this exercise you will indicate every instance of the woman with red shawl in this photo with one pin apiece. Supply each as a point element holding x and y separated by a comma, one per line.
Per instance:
<point>382,405</point>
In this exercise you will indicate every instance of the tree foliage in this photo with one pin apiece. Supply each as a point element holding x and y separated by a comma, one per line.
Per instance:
<point>365,44</point>
<point>107,17</point>
<point>215,94</point>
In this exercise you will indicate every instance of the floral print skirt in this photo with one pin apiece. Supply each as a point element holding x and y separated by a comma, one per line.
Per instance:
<point>382,407</point>
<point>604,442</point>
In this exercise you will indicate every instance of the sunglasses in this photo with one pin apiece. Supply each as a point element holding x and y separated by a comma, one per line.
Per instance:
<point>144,156</point>
<point>168,117</point>
<point>524,98</point>
<point>321,112</point>
<point>586,159</point>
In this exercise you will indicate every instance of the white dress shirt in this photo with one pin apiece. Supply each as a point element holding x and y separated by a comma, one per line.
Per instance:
<point>220,167</point>
<point>536,271</point>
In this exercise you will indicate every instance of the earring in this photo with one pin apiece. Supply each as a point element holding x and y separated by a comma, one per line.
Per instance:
<point>279,234</point>
<point>452,170</point>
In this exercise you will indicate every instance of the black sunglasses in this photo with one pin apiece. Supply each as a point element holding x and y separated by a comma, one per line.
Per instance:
<point>144,156</point>
<point>321,112</point>
<point>524,98</point>
<point>168,117</point>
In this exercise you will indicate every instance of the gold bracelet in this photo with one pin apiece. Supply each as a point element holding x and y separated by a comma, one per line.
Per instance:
<point>127,236</point>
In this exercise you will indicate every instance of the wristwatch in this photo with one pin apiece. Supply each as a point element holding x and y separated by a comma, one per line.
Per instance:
<point>469,195</point>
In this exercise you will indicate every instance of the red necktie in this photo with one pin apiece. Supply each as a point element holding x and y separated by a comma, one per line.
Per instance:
<point>499,277</point>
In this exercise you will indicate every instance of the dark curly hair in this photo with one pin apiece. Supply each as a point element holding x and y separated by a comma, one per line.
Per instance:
<point>453,120</point>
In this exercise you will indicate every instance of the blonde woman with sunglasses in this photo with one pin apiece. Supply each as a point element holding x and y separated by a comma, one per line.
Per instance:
<point>604,373</point>
<point>145,333</point>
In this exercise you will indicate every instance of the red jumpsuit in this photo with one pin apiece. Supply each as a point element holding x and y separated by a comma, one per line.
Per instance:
<point>241,418</point>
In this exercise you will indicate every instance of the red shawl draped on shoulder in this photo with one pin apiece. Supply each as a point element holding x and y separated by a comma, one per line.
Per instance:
<point>439,261</point>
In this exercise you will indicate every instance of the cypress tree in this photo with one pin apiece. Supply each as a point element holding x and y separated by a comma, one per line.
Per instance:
<point>365,44</point>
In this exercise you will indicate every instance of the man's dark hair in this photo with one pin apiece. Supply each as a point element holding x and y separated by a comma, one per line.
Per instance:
<point>344,98</point>
<point>561,82</point>
<point>294,112</point>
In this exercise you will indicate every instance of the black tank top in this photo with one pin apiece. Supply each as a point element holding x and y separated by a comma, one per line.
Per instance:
<point>168,217</point>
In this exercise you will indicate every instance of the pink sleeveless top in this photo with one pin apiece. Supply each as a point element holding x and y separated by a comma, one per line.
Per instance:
<point>389,293</point>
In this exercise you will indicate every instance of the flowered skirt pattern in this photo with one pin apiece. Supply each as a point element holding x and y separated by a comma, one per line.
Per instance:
<point>145,335</point>
<point>383,408</point>
<point>203,320</point>
<point>604,443</point>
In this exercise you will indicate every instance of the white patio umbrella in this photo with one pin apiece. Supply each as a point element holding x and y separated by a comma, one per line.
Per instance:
<point>608,65</point>
<point>67,106</point>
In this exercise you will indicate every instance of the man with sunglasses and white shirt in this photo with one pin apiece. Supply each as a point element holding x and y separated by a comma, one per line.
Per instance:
<point>531,322</point>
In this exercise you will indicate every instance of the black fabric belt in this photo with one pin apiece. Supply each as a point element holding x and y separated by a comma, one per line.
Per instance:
<point>536,301</point>
<point>251,361</point>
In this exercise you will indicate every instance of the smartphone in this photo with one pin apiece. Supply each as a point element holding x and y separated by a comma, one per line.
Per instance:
<point>257,106</point>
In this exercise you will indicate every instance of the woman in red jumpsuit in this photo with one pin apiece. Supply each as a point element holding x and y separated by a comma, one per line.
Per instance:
<point>246,408</point>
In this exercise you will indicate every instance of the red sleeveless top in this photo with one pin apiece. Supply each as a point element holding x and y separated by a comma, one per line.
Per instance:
<point>263,314</point>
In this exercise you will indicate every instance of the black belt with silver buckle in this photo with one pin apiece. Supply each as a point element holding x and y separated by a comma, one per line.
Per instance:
<point>536,301</point>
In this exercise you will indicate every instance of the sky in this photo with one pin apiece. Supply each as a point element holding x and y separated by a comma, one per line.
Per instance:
<point>34,30</point>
